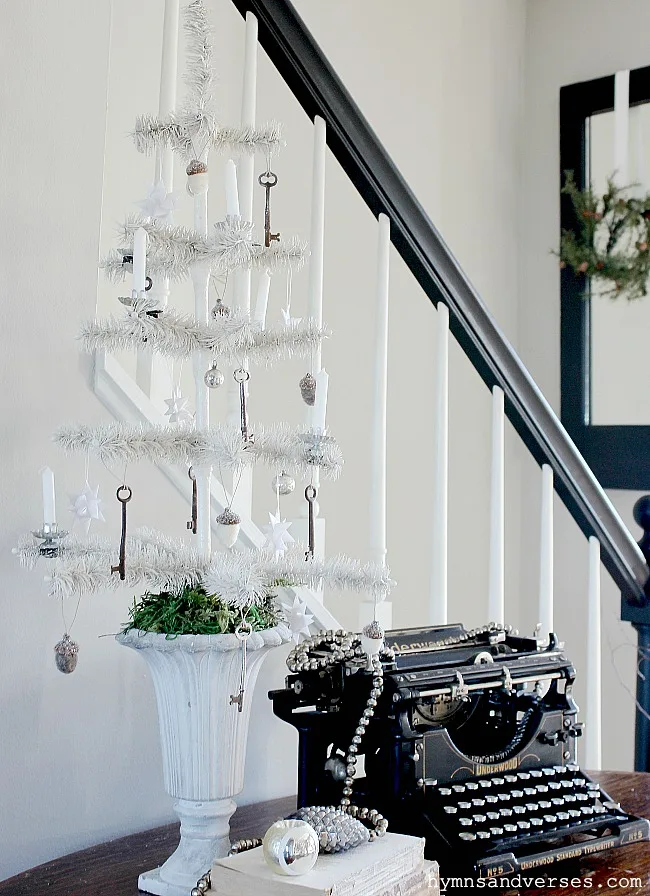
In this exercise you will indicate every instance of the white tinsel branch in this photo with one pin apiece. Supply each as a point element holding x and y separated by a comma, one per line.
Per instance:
<point>171,251</point>
<point>28,552</point>
<point>199,68</point>
<point>240,577</point>
<point>181,131</point>
<point>178,336</point>
<point>152,559</point>
<point>278,446</point>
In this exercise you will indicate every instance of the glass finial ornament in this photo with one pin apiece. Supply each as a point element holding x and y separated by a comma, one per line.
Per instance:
<point>213,377</point>
<point>308,389</point>
<point>228,525</point>
<point>66,652</point>
<point>290,847</point>
<point>283,484</point>
<point>219,310</point>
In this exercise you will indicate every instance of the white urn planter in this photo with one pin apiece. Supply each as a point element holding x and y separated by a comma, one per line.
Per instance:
<point>203,740</point>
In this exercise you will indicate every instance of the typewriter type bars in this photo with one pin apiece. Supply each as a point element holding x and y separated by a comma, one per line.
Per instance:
<point>505,823</point>
<point>472,745</point>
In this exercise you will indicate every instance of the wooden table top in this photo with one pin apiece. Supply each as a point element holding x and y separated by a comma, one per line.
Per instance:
<point>112,868</point>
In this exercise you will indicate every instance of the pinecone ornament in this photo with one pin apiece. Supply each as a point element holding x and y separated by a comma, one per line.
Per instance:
<point>66,653</point>
<point>336,830</point>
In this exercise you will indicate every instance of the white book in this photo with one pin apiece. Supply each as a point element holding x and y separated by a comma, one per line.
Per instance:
<point>389,866</point>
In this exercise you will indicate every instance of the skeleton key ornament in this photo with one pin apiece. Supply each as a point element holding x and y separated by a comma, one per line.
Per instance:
<point>241,376</point>
<point>310,495</point>
<point>268,180</point>
<point>243,632</point>
<point>192,524</point>
<point>126,494</point>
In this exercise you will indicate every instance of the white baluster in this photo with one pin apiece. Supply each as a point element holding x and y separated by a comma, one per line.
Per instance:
<point>152,373</point>
<point>593,735</point>
<point>496,591</point>
<point>378,425</point>
<point>621,127</point>
<point>438,597</point>
<point>545,614</point>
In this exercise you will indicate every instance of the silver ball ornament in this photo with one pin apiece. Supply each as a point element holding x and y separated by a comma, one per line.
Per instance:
<point>283,483</point>
<point>213,377</point>
<point>219,310</point>
<point>290,847</point>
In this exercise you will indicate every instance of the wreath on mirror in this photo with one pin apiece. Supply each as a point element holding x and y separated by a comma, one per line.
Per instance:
<point>611,241</point>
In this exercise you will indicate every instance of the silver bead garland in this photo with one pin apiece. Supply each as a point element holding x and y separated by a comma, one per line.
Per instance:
<point>342,647</point>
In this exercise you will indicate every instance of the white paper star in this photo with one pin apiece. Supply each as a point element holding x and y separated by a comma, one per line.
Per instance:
<point>298,618</point>
<point>158,203</point>
<point>87,506</point>
<point>177,409</point>
<point>277,535</point>
<point>290,322</point>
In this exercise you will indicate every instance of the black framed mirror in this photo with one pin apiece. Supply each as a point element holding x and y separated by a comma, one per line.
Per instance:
<point>605,399</point>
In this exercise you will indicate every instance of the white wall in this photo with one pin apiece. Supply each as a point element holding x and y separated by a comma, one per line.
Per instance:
<point>79,755</point>
<point>567,43</point>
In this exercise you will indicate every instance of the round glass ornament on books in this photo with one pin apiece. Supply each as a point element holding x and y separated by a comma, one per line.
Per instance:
<point>213,377</point>
<point>290,847</point>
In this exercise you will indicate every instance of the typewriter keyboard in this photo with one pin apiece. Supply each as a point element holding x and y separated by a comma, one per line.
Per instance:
<point>520,812</point>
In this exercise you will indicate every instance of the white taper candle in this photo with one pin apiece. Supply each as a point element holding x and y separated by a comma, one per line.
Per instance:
<point>317,233</point>
<point>593,736</point>
<point>262,301</point>
<point>168,75</point>
<point>232,196</point>
<point>438,596</point>
<point>320,405</point>
<point>49,497</point>
<point>621,127</point>
<point>496,590</point>
<point>139,260</point>
<point>379,400</point>
<point>545,615</point>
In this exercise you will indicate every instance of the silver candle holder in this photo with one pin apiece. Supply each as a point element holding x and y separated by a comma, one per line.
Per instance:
<point>51,537</point>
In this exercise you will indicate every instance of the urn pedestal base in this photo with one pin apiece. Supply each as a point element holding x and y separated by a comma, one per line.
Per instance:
<point>205,830</point>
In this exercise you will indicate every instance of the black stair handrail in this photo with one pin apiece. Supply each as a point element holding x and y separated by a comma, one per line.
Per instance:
<point>318,89</point>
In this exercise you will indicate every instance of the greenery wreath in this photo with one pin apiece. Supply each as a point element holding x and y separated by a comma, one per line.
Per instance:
<point>611,242</point>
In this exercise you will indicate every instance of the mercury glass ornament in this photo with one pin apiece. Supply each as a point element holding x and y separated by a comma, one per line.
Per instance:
<point>213,377</point>
<point>290,847</point>
<point>283,483</point>
<point>228,525</point>
<point>66,654</point>
<point>219,310</point>
<point>337,831</point>
<point>197,177</point>
<point>308,389</point>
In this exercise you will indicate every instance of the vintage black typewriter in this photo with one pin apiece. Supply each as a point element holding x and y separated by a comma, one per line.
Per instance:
<point>472,745</point>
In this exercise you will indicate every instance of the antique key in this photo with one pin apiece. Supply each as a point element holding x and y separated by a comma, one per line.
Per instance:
<point>121,566</point>
<point>268,180</point>
<point>243,632</point>
<point>192,524</point>
<point>241,376</point>
<point>310,495</point>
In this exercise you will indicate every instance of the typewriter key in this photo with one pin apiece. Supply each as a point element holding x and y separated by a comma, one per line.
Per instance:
<point>519,810</point>
<point>451,810</point>
<point>572,767</point>
<point>523,776</point>
<point>587,811</point>
<point>563,817</point>
<point>612,806</point>
<point>483,835</point>
<point>578,783</point>
<point>504,797</point>
<point>530,791</point>
<point>569,797</point>
<point>498,782</point>
<point>575,813</point>
<point>560,769</point>
<point>479,819</point>
<point>532,808</point>
<point>544,804</point>
<point>485,783</point>
<point>458,788</point>
<point>465,822</point>
<point>555,785</point>
<point>550,820</point>
<point>465,835</point>
<point>557,801</point>
<point>471,785</point>
<point>536,823</point>
<point>510,779</point>
<point>445,791</point>
<point>478,804</point>
<point>510,828</point>
<point>491,798</point>
<point>464,806</point>
<point>523,825</point>
<point>536,773</point>
<point>582,798</point>
<point>505,813</point>
<point>492,816</point>
<point>567,784</point>
<point>600,810</point>
<point>542,788</point>
<point>496,832</point>
<point>517,794</point>
<point>548,772</point>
